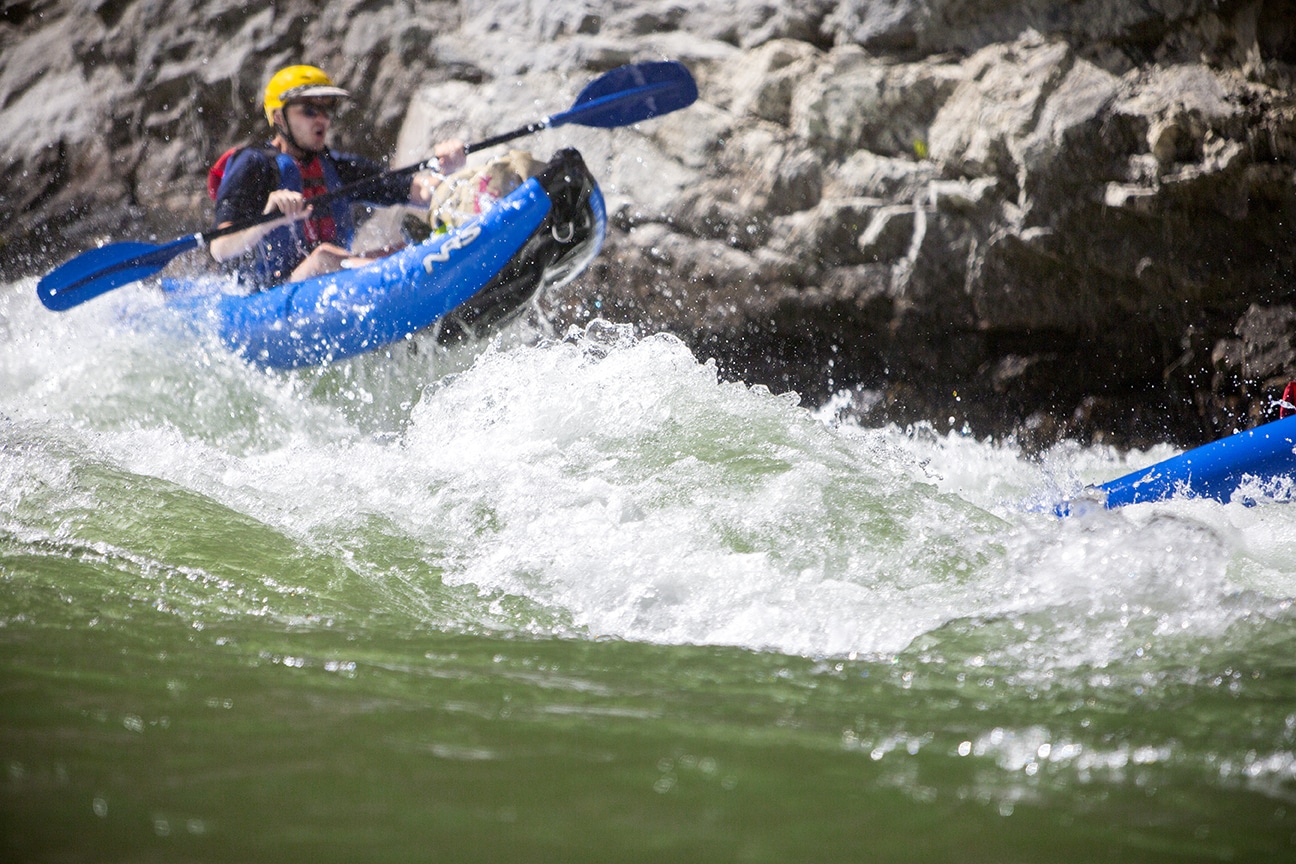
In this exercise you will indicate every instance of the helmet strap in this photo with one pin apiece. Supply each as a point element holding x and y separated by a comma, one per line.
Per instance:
<point>281,126</point>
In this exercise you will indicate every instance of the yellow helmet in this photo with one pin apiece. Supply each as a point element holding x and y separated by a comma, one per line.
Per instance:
<point>299,82</point>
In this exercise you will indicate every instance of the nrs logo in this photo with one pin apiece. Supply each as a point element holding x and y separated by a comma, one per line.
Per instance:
<point>456,241</point>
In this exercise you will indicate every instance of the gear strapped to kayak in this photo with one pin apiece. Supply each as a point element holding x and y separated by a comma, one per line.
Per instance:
<point>472,191</point>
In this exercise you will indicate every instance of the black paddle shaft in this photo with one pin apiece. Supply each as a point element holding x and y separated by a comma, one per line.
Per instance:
<point>366,183</point>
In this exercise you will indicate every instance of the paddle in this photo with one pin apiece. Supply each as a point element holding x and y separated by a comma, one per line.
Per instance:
<point>621,97</point>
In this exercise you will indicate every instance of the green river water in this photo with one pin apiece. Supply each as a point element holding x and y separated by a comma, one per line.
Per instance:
<point>578,600</point>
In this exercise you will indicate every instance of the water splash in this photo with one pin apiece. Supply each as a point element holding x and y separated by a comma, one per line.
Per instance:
<point>603,485</point>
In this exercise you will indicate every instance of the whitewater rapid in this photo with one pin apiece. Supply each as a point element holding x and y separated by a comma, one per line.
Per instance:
<point>599,484</point>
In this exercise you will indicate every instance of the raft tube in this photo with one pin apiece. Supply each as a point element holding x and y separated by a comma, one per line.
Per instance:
<point>1259,457</point>
<point>472,279</point>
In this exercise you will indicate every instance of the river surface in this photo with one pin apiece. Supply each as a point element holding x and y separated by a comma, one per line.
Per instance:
<point>575,599</point>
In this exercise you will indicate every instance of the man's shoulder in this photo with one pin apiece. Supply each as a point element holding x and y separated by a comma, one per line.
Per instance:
<point>260,155</point>
<point>252,165</point>
<point>248,176</point>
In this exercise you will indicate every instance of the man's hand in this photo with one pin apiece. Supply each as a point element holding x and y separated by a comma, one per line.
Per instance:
<point>286,201</point>
<point>451,155</point>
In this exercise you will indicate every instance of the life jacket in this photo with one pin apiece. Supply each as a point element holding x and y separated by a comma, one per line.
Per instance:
<point>286,246</point>
<point>1287,407</point>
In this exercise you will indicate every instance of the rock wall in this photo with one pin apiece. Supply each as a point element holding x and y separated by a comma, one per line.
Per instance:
<point>1043,218</point>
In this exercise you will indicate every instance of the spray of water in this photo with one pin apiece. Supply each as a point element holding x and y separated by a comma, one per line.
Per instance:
<point>602,485</point>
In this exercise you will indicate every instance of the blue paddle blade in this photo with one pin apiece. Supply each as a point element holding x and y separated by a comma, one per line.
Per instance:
<point>630,94</point>
<point>92,273</point>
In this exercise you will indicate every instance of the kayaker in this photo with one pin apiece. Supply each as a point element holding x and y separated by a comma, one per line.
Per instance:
<point>286,172</point>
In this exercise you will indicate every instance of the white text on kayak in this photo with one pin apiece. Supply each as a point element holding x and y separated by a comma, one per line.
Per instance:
<point>468,234</point>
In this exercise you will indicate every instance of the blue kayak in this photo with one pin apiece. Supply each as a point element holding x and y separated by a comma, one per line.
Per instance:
<point>1263,456</point>
<point>476,277</point>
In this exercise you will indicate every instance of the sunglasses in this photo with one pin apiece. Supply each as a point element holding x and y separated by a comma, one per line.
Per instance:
<point>311,110</point>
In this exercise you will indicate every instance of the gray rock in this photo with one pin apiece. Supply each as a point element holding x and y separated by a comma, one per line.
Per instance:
<point>1074,213</point>
<point>855,101</point>
<point>935,26</point>
<point>760,82</point>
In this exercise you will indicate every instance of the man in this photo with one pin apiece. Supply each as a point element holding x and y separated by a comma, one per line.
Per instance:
<point>293,167</point>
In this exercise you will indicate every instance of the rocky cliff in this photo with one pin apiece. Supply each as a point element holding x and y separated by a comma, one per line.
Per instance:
<point>1044,218</point>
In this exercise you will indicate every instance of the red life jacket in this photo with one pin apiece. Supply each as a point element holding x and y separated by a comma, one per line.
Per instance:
<point>320,228</point>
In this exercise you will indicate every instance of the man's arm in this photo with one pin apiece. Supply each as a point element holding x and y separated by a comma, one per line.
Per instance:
<point>397,190</point>
<point>250,189</point>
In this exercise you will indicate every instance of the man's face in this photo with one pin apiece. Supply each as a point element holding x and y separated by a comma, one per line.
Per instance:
<point>309,120</point>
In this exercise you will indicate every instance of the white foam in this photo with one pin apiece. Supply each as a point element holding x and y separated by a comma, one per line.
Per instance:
<point>618,483</point>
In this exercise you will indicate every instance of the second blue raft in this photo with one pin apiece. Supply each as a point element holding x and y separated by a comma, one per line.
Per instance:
<point>1261,457</point>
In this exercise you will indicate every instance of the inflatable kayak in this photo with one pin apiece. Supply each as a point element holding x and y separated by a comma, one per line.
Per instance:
<point>471,279</point>
<point>1261,459</point>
